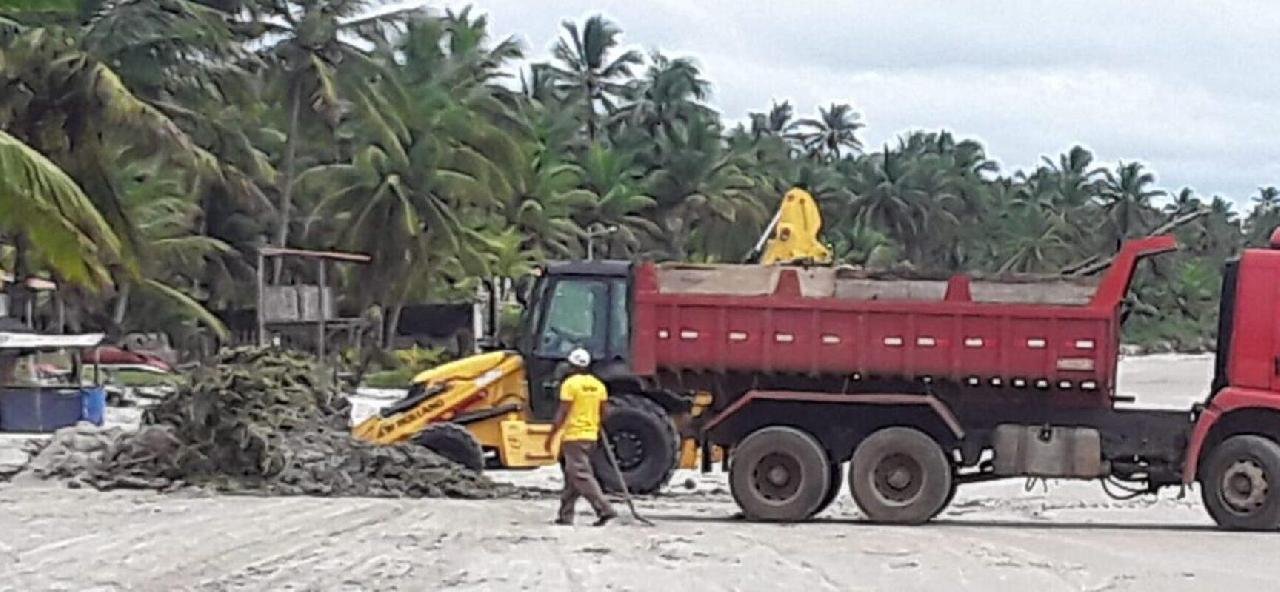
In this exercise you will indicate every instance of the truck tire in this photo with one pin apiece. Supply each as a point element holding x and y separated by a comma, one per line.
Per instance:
<point>645,442</point>
<point>453,442</point>
<point>833,488</point>
<point>779,474</point>
<point>1240,483</point>
<point>900,476</point>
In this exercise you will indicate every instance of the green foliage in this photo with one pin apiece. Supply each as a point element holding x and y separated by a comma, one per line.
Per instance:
<point>45,210</point>
<point>139,378</point>
<point>417,359</point>
<point>404,365</point>
<point>149,148</point>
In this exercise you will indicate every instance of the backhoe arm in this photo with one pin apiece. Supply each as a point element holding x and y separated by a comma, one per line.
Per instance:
<point>793,234</point>
<point>444,393</point>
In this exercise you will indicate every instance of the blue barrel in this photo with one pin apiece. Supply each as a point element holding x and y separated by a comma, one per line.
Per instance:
<point>39,409</point>
<point>93,404</point>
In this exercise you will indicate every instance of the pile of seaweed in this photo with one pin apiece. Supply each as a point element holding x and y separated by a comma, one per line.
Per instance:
<point>258,420</point>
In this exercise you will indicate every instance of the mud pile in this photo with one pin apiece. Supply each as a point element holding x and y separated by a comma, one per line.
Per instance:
<point>258,421</point>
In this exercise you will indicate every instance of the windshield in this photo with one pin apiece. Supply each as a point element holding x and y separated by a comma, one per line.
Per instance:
<point>575,318</point>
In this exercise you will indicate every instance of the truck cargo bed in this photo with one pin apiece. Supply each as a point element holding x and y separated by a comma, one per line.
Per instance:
<point>1055,335</point>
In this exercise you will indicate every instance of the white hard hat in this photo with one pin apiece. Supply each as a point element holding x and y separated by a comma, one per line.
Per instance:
<point>580,358</point>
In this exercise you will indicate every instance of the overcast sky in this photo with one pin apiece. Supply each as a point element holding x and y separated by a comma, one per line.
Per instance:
<point>1191,88</point>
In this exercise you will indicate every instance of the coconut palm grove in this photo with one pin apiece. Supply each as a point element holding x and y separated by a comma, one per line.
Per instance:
<point>149,149</point>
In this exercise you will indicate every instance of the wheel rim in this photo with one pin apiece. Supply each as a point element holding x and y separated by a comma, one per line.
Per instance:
<point>1244,486</point>
<point>898,478</point>
<point>776,477</point>
<point>628,448</point>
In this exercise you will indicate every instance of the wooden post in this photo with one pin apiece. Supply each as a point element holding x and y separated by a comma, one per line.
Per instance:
<point>320,327</point>
<point>62,312</point>
<point>262,318</point>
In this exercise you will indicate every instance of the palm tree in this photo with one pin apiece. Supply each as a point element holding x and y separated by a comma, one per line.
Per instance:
<point>835,128</point>
<point>434,165</point>
<point>1126,195</point>
<point>614,188</point>
<point>171,51</point>
<point>50,220</point>
<point>542,204</point>
<point>775,122</point>
<point>1268,198</point>
<point>75,110</point>
<point>888,198</point>
<point>1035,241</point>
<point>588,71</point>
<point>671,91</point>
<point>1185,201</point>
<point>1071,178</point>
<point>699,184</point>
<point>1265,217</point>
<point>165,290</point>
<point>309,45</point>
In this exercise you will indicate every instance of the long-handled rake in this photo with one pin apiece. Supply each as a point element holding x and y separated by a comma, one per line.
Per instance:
<point>617,472</point>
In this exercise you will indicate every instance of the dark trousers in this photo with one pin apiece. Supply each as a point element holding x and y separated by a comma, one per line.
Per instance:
<point>580,481</point>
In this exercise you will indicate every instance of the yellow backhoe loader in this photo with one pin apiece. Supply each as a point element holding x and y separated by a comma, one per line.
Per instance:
<point>494,410</point>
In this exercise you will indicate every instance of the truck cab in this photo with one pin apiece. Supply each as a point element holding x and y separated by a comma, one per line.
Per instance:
<point>1234,448</point>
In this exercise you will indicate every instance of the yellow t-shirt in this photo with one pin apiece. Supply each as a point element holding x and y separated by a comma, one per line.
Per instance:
<point>584,393</point>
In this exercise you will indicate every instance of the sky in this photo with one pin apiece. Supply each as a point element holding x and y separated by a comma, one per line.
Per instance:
<point>1191,88</point>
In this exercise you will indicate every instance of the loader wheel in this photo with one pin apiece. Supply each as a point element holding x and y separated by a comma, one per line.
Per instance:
<point>900,476</point>
<point>1240,483</point>
<point>833,488</point>
<point>645,442</point>
<point>779,474</point>
<point>453,442</point>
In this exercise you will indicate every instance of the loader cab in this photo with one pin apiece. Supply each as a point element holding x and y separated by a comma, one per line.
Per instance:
<point>575,304</point>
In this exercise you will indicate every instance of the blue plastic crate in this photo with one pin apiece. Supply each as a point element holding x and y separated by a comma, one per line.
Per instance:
<point>93,404</point>
<point>40,409</point>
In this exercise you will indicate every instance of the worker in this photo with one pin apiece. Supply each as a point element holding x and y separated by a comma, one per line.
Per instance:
<point>582,399</point>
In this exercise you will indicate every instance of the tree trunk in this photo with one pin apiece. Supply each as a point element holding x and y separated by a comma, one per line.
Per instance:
<point>591,111</point>
<point>677,234</point>
<point>122,305</point>
<point>397,307</point>
<point>393,322</point>
<point>286,194</point>
<point>17,291</point>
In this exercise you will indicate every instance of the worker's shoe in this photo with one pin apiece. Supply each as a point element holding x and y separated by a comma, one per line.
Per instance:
<point>604,519</point>
<point>563,522</point>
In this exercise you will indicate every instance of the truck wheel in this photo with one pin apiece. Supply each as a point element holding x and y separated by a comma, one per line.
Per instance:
<point>833,488</point>
<point>1240,483</point>
<point>951,495</point>
<point>453,442</point>
<point>645,442</point>
<point>900,476</point>
<point>779,474</point>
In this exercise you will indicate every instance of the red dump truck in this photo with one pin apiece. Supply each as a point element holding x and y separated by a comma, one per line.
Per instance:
<point>916,385</point>
<point>922,386</point>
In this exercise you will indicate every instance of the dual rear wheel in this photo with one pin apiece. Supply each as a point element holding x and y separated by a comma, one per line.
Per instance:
<point>897,475</point>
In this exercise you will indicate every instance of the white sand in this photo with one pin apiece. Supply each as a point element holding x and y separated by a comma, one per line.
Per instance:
<point>994,537</point>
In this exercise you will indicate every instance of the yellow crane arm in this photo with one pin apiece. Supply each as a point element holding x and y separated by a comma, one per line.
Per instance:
<point>793,235</point>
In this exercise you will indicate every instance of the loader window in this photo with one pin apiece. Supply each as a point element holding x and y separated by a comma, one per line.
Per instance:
<point>619,319</point>
<point>575,318</point>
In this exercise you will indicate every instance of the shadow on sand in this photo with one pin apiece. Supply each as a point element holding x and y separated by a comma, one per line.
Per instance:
<point>954,523</point>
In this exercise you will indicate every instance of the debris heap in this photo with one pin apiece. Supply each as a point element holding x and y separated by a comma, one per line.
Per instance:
<point>260,420</point>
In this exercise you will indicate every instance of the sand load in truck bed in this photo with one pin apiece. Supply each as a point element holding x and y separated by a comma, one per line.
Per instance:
<point>854,284</point>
